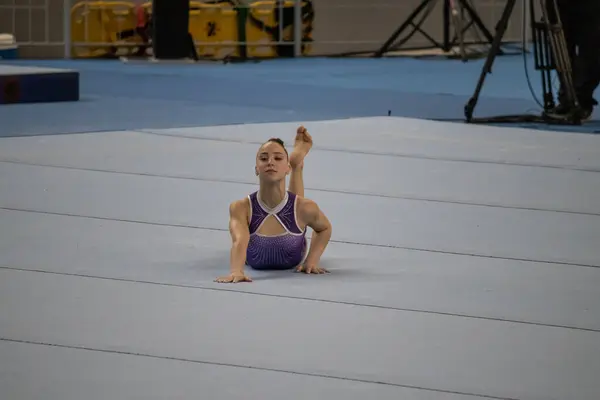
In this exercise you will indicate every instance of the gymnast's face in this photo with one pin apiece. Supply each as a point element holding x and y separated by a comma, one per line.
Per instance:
<point>272,162</point>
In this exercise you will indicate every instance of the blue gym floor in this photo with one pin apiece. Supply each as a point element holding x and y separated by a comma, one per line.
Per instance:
<point>131,96</point>
<point>465,259</point>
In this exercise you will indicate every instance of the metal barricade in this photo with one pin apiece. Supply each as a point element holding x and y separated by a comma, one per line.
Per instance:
<point>37,26</point>
<point>101,29</point>
<point>258,29</point>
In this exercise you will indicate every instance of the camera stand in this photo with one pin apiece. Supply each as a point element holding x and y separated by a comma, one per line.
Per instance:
<point>550,52</point>
<point>451,10</point>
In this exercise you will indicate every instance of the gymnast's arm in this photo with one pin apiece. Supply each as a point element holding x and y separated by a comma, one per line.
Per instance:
<point>240,235</point>
<point>321,226</point>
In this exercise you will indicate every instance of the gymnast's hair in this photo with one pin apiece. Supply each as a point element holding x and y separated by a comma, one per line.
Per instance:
<point>279,142</point>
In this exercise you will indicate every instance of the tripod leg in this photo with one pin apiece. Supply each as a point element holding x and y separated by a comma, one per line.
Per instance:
<point>405,24</point>
<point>487,68</point>
<point>446,16</point>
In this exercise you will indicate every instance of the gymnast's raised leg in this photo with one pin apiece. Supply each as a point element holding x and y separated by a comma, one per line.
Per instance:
<point>302,145</point>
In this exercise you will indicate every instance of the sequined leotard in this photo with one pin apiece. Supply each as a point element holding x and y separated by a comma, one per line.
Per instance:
<point>282,251</point>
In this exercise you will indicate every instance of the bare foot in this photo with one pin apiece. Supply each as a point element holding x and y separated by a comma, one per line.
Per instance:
<point>302,145</point>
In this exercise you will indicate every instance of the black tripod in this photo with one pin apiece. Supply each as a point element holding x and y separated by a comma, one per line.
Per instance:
<point>449,10</point>
<point>550,52</point>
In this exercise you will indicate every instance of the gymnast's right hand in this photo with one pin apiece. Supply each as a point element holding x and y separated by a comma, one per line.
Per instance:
<point>234,278</point>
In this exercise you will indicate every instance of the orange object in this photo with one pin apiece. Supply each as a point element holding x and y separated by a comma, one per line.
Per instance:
<point>142,18</point>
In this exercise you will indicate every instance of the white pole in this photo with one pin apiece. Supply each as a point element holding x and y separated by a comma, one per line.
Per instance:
<point>67,28</point>
<point>298,28</point>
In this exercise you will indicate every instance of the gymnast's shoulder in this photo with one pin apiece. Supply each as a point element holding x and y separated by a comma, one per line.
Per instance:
<point>239,208</point>
<point>309,211</point>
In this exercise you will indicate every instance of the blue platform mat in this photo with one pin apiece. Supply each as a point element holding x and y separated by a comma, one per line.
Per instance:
<point>25,84</point>
<point>118,96</point>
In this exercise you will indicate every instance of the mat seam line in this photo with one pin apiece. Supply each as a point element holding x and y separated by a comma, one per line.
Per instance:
<point>331,241</point>
<point>289,297</point>
<point>231,365</point>
<point>375,195</point>
<point>374,153</point>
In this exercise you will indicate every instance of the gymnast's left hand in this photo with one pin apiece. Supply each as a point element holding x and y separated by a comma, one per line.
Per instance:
<point>311,269</point>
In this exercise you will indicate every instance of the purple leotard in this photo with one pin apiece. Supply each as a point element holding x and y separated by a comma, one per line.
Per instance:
<point>282,251</point>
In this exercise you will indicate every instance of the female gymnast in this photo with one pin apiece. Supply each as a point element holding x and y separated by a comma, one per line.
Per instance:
<point>268,227</point>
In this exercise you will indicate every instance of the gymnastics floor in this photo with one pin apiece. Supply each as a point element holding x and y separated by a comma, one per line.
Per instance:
<point>464,259</point>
